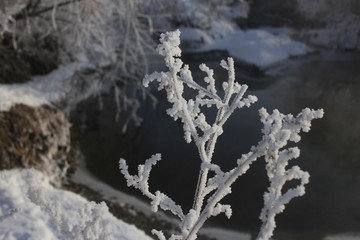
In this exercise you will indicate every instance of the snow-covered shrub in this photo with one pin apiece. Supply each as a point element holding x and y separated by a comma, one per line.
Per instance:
<point>341,20</point>
<point>93,30</point>
<point>108,39</point>
<point>279,129</point>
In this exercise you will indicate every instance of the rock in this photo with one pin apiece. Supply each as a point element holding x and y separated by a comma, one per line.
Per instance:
<point>36,137</point>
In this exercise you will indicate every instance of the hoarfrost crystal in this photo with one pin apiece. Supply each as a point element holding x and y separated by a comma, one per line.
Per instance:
<point>278,130</point>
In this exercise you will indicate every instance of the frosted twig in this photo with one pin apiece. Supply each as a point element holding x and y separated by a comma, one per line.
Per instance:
<point>140,182</point>
<point>278,130</point>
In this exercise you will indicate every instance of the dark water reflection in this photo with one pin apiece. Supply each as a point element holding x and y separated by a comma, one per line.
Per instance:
<point>330,152</point>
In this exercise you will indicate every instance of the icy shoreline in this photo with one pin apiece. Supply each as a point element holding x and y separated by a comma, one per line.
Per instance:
<point>260,47</point>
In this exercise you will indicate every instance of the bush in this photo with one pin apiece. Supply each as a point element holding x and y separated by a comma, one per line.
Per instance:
<point>339,19</point>
<point>109,40</point>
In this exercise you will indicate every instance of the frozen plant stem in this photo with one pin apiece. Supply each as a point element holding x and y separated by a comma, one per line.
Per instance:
<point>278,130</point>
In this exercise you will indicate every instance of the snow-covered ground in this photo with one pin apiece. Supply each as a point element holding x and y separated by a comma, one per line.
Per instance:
<point>32,209</point>
<point>259,47</point>
<point>54,87</point>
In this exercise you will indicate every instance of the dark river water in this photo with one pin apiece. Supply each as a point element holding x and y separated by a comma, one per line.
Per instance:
<point>330,152</point>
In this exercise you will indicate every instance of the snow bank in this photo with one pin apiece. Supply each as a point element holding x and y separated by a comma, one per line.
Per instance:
<point>258,47</point>
<point>55,87</point>
<point>30,208</point>
<point>13,94</point>
<point>41,90</point>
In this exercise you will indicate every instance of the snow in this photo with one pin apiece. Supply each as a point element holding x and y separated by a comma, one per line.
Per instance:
<point>13,94</point>
<point>261,47</point>
<point>41,90</point>
<point>54,87</point>
<point>258,47</point>
<point>32,209</point>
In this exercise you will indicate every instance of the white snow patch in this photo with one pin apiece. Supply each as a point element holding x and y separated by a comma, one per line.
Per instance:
<point>50,88</point>
<point>258,47</point>
<point>16,94</point>
<point>41,90</point>
<point>30,208</point>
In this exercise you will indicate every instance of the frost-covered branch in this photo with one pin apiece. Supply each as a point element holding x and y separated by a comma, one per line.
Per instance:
<point>196,126</point>
<point>278,130</point>
<point>140,182</point>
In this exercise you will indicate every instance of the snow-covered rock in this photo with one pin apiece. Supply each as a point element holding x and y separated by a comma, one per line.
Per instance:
<point>36,137</point>
<point>30,208</point>
<point>258,47</point>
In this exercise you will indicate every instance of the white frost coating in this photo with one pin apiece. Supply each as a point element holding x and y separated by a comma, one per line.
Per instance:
<point>258,47</point>
<point>278,130</point>
<point>140,182</point>
<point>33,209</point>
